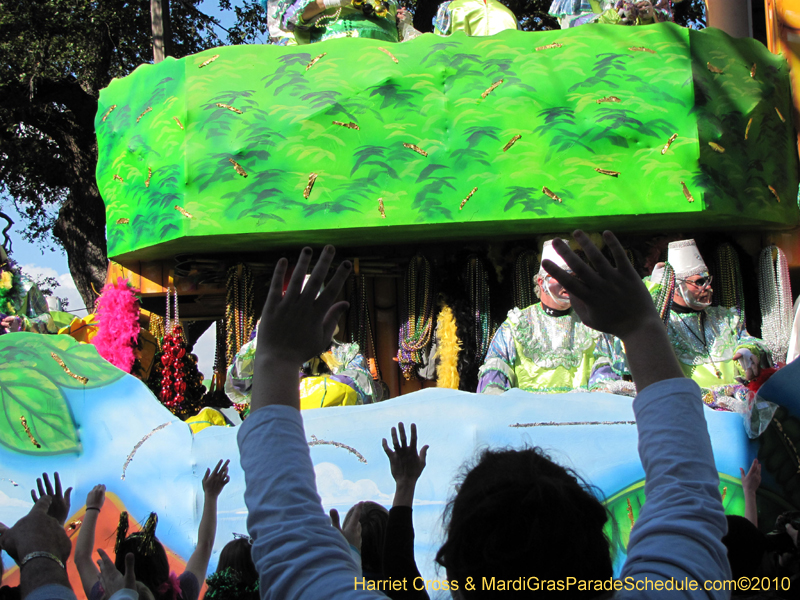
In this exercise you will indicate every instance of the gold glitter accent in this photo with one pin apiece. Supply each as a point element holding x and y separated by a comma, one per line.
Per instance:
<point>74,525</point>
<point>753,70</point>
<point>208,62</point>
<point>27,429</point>
<point>311,179</point>
<point>389,54</point>
<point>118,178</point>
<point>747,129</point>
<point>687,193</point>
<point>108,112</point>
<point>229,107</point>
<point>149,175</point>
<point>714,69</point>
<point>238,168</point>
<point>551,194</point>
<point>607,172</point>
<point>144,112</point>
<point>178,121</point>
<point>724,492</point>
<point>630,512</point>
<point>464,201</point>
<point>139,445</point>
<point>415,148</point>
<point>317,442</point>
<point>641,49</point>
<point>774,193</point>
<point>511,142</point>
<point>716,147</point>
<point>83,380</point>
<point>608,99</point>
<point>348,125</point>
<point>491,88</point>
<point>381,209</point>
<point>314,61</point>
<point>123,221</point>
<point>549,46</point>
<point>671,139</point>
<point>183,211</point>
<point>780,115</point>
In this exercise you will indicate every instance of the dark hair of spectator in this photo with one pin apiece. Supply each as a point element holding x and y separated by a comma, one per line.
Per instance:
<point>236,555</point>
<point>152,568</point>
<point>374,520</point>
<point>746,546</point>
<point>519,514</point>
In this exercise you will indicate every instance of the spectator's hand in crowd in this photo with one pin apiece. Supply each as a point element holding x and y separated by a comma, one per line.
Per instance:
<point>36,532</point>
<point>12,324</point>
<point>214,481</point>
<point>352,532</point>
<point>752,479</point>
<point>111,579</point>
<point>299,324</point>
<point>406,463</point>
<point>59,507</point>
<point>96,497</point>
<point>609,299</point>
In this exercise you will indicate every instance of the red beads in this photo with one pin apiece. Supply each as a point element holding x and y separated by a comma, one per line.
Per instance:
<point>173,386</point>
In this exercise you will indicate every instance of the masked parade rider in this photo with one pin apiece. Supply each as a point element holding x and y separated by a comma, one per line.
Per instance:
<point>545,347</point>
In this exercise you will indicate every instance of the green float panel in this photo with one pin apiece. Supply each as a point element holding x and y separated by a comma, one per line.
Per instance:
<point>447,138</point>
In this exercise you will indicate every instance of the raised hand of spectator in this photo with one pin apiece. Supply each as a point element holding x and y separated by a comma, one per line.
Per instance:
<point>96,497</point>
<point>41,538</point>
<point>406,463</point>
<point>59,507</point>
<point>295,326</point>
<point>352,531</point>
<point>111,579</point>
<point>598,294</point>
<point>750,482</point>
<point>752,479</point>
<point>614,300</point>
<point>214,481</point>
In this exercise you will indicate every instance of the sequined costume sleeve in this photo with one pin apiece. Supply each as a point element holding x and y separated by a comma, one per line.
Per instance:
<point>497,372</point>
<point>747,341</point>
<point>610,366</point>
<point>32,307</point>
<point>354,371</point>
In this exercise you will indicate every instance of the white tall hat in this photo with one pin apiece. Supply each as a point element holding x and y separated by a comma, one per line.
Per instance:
<point>549,253</point>
<point>685,259</point>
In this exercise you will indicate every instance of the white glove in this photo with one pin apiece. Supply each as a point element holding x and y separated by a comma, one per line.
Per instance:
<point>749,363</point>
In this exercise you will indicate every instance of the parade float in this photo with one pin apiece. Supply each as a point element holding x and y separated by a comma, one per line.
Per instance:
<point>434,166</point>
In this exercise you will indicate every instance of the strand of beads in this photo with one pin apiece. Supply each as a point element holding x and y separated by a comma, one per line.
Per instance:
<point>415,332</point>
<point>665,293</point>
<point>173,385</point>
<point>525,268</point>
<point>238,309</point>
<point>775,294</point>
<point>480,304</point>
<point>729,292</point>
<point>361,324</point>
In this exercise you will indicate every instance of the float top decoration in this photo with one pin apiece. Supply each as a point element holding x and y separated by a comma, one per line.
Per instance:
<point>358,142</point>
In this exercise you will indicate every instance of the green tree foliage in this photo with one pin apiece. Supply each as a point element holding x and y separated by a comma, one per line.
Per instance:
<point>57,55</point>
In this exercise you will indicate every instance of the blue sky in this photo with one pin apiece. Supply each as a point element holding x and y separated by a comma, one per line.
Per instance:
<point>44,262</point>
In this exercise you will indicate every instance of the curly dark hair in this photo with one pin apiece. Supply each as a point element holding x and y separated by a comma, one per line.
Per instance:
<point>518,514</point>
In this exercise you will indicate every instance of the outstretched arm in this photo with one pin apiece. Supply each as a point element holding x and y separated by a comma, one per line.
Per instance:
<point>750,482</point>
<point>84,547</point>
<point>679,531</point>
<point>213,482</point>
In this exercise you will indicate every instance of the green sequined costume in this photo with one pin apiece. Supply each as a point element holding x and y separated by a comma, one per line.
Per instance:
<point>538,352</point>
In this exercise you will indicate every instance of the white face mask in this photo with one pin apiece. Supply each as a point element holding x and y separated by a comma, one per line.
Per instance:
<point>562,303</point>
<point>690,301</point>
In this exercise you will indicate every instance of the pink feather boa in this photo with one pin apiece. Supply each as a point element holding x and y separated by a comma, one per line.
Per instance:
<point>171,584</point>
<point>118,318</point>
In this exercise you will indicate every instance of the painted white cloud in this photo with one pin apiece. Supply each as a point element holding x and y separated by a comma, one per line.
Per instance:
<point>66,290</point>
<point>335,490</point>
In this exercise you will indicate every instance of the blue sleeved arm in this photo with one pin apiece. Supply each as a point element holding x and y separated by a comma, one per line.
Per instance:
<point>297,552</point>
<point>679,531</point>
<point>51,592</point>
